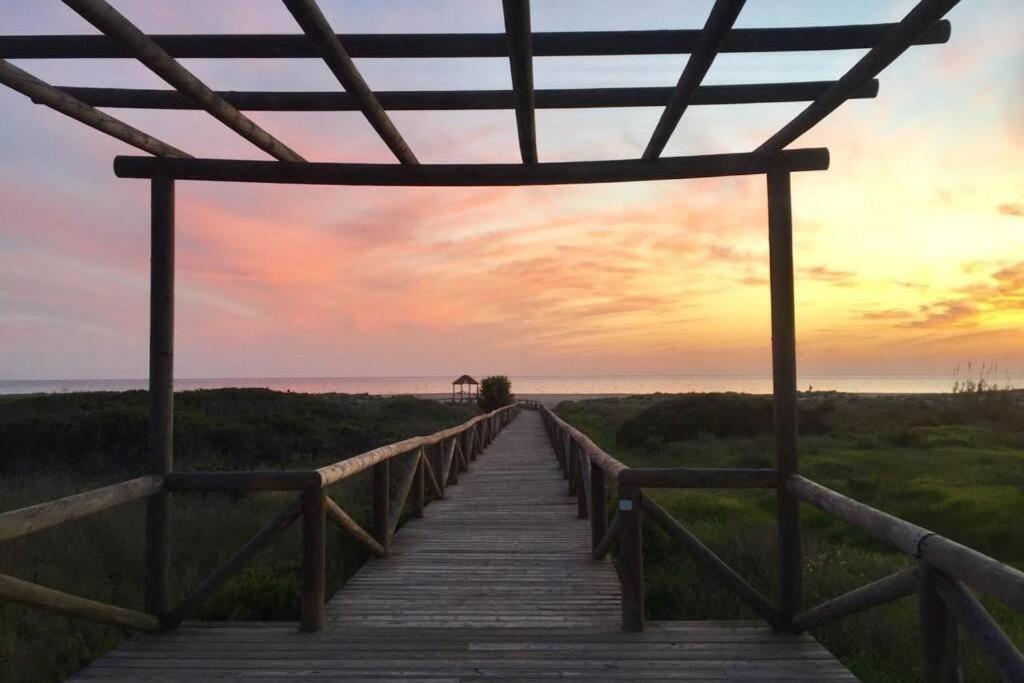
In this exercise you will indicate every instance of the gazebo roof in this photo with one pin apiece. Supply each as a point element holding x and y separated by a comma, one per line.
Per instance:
<point>465,379</point>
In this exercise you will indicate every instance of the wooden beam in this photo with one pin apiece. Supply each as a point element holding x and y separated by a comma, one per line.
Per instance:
<point>314,559</point>
<point>940,637</point>
<point>520,57</point>
<point>979,625</point>
<point>112,23</point>
<point>467,175</point>
<point>191,604</point>
<point>381,493</point>
<point>877,593</point>
<point>598,511</point>
<point>314,24</point>
<point>698,477</point>
<point>611,534</point>
<point>896,41</point>
<point>34,595</point>
<point>981,572</point>
<point>51,513</point>
<point>402,490</point>
<point>723,15</point>
<point>352,528</point>
<point>411,45</point>
<point>631,560</point>
<point>41,92</point>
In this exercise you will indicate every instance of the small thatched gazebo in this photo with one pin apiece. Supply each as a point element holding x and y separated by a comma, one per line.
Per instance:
<point>466,391</point>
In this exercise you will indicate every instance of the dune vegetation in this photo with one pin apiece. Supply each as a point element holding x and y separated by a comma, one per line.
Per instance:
<point>951,463</point>
<point>56,445</point>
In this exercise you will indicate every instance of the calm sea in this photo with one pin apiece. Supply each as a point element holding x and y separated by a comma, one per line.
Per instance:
<point>521,385</point>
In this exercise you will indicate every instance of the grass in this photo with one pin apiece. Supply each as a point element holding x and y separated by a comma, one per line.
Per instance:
<point>53,446</point>
<point>953,464</point>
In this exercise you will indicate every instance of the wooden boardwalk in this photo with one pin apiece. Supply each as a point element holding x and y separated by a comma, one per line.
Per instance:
<point>494,582</point>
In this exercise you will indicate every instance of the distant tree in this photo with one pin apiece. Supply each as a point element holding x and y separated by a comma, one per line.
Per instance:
<point>495,392</point>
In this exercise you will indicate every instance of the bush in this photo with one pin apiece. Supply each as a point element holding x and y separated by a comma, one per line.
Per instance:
<point>495,392</point>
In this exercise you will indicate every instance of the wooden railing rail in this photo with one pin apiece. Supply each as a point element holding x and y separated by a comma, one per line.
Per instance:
<point>941,577</point>
<point>452,450</point>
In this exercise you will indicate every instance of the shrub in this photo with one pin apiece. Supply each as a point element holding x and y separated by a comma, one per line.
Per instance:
<point>495,392</point>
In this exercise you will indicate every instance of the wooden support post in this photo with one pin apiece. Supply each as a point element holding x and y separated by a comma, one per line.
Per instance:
<point>780,241</point>
<point>940,637</point>
<point>598,515</point>
<point>382,504</point>
<point>419,486</point>
<point>440,471</point>
<point>631,561</point>
<point>314,556</point>
<point>572,464</point>
<point>582,473</point>
<point>161,392</point>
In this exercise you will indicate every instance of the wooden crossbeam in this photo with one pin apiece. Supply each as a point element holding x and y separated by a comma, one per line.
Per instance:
<point>432,45</point>
<point>402,492</point>
<point>44,93</point>
<point>34,595</point>
<point>723,15</point>
<point>113,24</point>
<point>352,528</point>
<point>446,100</point>
<point>896,41</point>
<point>465,175</point>
<point>316,27</point>
<point>520,56</point>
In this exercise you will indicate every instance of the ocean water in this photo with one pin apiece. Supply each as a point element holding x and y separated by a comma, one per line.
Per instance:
<point>632,384</point>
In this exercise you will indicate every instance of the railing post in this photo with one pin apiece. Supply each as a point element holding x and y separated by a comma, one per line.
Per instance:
<point>161,392</point>
<point>314,555</point>
<point>382,503</point>
<point>598,516</point>
<point>780,244</point>
<point>631,561</point>
<point>582,472</point>
<point>571,465</point>
<point>418,485</point>
<point>439,472</point>
<point>940,638</point>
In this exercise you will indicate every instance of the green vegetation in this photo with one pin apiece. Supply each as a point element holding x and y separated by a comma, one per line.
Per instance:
<point>495,392</point>
<point>55,445</point>
<point>953,464</point>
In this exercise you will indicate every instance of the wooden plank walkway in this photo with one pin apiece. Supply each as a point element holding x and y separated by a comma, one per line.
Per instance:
<point>495,582</point>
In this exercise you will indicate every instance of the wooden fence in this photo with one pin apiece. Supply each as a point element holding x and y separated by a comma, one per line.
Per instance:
<point>943,576</point>
<point>439,458</point>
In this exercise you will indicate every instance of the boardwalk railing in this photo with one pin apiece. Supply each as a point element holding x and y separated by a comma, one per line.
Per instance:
<point>942,577</point>
<point>438,460</point>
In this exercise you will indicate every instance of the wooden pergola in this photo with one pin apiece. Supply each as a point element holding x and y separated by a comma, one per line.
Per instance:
<point>774,158</point>
<point>466,392</point>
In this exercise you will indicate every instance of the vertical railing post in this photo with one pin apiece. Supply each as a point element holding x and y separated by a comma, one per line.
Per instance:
<point>314,557</point>
<point>161,392</point>
<point>598,515</point>
<point>572,464</point>
<point>418,484</point>
<point>940,638</point>
<point>780,243</point>
<point>631,560</point>
<point>582,473</point>
<point>382,503</point>
<point>439,471</point>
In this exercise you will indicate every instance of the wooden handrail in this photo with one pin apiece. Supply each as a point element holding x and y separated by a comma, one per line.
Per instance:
<point>980,625</point>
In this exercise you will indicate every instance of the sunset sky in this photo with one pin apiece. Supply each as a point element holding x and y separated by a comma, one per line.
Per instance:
<point>909,250</point>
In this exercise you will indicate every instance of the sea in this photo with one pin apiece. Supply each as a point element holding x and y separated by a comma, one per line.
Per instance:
<point>523,385</point>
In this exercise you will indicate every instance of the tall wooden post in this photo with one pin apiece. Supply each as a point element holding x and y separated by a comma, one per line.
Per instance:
<point>582,474</point>
<point>780,241</point>
<point>598,515</point>
<point>940,637</point>
<point>631,561</point>
<point>314,557</point>
<point>382,503</point>
<point>419,484</point>
<point>161,391</point>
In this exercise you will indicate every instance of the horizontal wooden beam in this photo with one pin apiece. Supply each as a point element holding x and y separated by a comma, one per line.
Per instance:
<point>51,513</point>
<point>545,44</point>
<point>466,175</point>
<point>34,595</point>
<point>697,478</point>
<point>448,100</point>
<point>877,593</point>
<point>41,92</point>
<point>269,480</point>
<point>979,625</point>
<point>895,42</point>
<point>112,23</point>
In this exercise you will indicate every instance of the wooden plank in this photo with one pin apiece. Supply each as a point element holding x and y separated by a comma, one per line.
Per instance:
<point>51,513</point>
<point>351,527</point>
<point>34,595</point>
<point>112,23</point>
<point>472,175</point>
<point>723,15</point>
<point>316,27</point>
<point>520,57</point>
<point>419,45</point>
<point>895,42</point>
<point>44,93</point>
<point>784,405</point>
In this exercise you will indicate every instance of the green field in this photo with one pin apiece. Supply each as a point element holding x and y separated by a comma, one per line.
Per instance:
<point>53,446</point>
<point>953,464</point>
